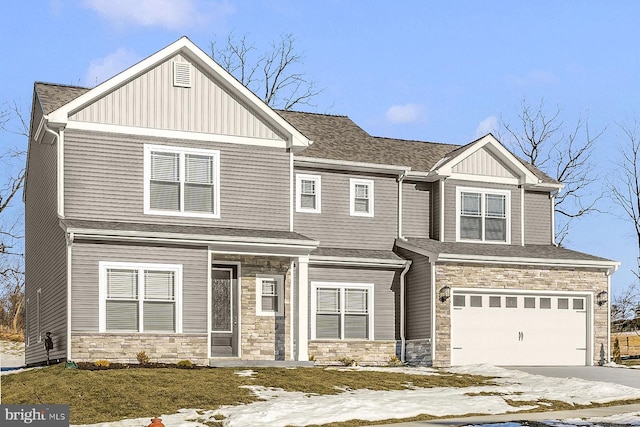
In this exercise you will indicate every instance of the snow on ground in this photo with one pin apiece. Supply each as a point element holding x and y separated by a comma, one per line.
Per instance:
<point>281,408</point>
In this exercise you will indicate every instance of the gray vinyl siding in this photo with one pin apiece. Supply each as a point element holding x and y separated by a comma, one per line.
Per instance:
<point>45,252</point>
<point>417,296</point>
<point>386,294</point>
<point>104,180</point>
<point>151,101</point>
<point>416,203</point>
<point>450,208</point>
<point>85,280</point>
<point>335,227</point>
<point>537,218</point>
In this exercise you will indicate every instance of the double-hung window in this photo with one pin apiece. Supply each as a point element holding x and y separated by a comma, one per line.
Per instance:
<point>483,215</point>
<point>361,196</point>
<point>270,295</point>
<point>182,181</point>
<point>308,193</point>
<point>140,297</point>
<point>342,311</point>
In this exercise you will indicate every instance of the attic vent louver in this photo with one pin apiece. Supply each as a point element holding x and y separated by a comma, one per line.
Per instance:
<point>182,74</point>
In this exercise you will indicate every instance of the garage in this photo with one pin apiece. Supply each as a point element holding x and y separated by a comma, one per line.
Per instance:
<point>501,328</point>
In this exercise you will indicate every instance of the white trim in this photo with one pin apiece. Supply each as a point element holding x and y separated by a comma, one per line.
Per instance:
<point>279,294</point>
<point>318,192</point>
<point>484,192</point>
<point>553,218</point>
<point>69,240</point>
<point>103,266</point>
<point>352,197</point>
<point>39,315</point>
<point>331,164</point>
<point>27,324</point>
<point>302,338</point>
<point>342,286</point>
<point>198,57</point>
<point>441,219</point>
<point>181,151</point>
<point>432,264</point>
<point>292,309</point>
<point>484,179</point>
<point>174,134</point>
<point>292,191</point>
<point>356,261</point>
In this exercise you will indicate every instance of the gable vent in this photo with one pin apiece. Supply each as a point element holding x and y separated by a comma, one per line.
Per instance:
<point>182,74</point>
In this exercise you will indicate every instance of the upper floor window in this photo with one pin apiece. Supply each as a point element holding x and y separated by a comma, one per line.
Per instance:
<point>342,311</point>
<point>308,193</point>
<point>361,196</point>
<point>483,215</point>
<point>181,181</point>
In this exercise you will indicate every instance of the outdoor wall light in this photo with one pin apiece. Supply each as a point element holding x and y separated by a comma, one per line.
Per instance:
<point>445,293</point>
<point>601,298</point>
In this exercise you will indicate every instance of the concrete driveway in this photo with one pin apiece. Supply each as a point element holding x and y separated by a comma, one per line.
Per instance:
<point>623,376</point>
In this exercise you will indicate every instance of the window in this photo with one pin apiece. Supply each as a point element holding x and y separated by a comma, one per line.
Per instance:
<point>511,302</point>
<point>458,300</point>
<point>578,304</point>
<point>495,301</point>
<point>270,295</point>
<point>483,215</point>
<point>475,301</point>
<point>529,302</point>
<point>181,181</point>
<point>361,194</point>
<point>308,193</point>
<point>342,311</point>
<point>545,303</point>
<point>563,303</point>
<point>140,297</point>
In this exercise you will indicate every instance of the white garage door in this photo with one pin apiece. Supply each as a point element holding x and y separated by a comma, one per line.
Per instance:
<point>508,329</point>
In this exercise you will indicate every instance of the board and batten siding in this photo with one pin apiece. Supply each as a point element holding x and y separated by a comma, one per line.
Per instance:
<point>46,253</point>
<point>86,257</point>
<point>416,203</point>
<point>450,207</point>
<point>104,180</point>
<point>335,227</point>
<point>417,296</point>
<point>537,218</point>
<point>482,162</point>
<point>385,299</point>
<point>152,101</point>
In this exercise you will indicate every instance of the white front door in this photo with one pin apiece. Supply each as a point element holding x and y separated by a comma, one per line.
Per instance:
<point>518,329</point>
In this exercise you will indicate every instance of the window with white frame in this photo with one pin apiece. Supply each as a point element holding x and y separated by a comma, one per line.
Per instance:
<point>140,297</point>
<point>270,295</point>
<point>181,181</point>
<point>342,311</point>
<point>483,215</point>
<point>361,196</point>
<point>308,196</point>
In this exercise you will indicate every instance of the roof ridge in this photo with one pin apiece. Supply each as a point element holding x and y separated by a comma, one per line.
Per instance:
<point>417,140</point>
<point>62,85</point>
<point>313,113</point>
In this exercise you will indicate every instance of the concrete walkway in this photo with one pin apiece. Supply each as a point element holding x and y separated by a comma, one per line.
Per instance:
<point>624,376</point>
<point>531,416</point>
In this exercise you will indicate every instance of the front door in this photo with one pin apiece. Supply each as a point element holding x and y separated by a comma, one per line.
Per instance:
<point>224,312</point>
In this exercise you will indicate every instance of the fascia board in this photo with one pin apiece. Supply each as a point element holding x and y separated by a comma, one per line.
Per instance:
<point>332,164</point>
<point>420,251</point>
<point>184,45</point>
<point>608,265</point>
<point>356,261</point>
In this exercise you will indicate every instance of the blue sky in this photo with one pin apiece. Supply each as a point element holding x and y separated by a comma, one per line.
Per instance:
<point>428,70</point>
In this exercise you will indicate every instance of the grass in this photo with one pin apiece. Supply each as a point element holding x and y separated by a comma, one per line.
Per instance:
<point>114,394</point>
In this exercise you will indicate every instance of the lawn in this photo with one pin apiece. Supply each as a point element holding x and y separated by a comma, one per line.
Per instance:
<point>109,395</point>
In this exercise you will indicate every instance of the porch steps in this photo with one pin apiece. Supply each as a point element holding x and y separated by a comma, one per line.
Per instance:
<point>237,363</point>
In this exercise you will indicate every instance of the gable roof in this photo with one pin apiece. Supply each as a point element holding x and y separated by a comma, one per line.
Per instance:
<point>53,96</point>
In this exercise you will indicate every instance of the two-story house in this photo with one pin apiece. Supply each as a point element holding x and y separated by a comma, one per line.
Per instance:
<point>170,210</point>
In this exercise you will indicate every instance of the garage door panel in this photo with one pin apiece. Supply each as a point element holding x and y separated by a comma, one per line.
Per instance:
<point>505,329</point>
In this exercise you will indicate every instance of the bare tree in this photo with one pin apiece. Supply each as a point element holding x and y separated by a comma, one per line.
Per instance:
<point>542,139</point>
<point>274,76</point>
<point>12,178</point>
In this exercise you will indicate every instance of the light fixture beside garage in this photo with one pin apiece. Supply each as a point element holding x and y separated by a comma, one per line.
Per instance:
<point>445,293</point>
<point>601,298</point>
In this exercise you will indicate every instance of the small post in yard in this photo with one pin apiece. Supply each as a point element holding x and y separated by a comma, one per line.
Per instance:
<point>48,345</point>
<point>156,422</point>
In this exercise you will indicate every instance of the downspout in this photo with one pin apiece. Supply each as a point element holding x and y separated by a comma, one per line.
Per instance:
<point>69,239</point>
<point>433,310</point>
<point>291,191</point>
<point>403,341</point>
<point>522,215</point>
<point>292,308</point>
<point>553,217</point>
<point>442,210</point>
<point>400,180</point>
<point>59,137</point>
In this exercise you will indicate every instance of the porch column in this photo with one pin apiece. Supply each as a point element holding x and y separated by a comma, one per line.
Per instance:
<point>303,309</point>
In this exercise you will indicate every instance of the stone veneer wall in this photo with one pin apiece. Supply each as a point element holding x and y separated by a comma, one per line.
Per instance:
<point>262,337</point>
<point>418,352</point>
<point>123,348</point>
<point>377,353</point>
<point>462,275</point>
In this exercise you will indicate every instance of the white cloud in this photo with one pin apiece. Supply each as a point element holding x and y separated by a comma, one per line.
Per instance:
<point>535,77</point>
<point>170,14</point>
<point>102,69</point>
<point>488,125</point>
<point>407,113</point>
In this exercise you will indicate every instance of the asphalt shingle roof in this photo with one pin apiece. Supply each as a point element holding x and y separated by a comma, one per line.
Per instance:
<point>503,251</point>
<point>53,96</point>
